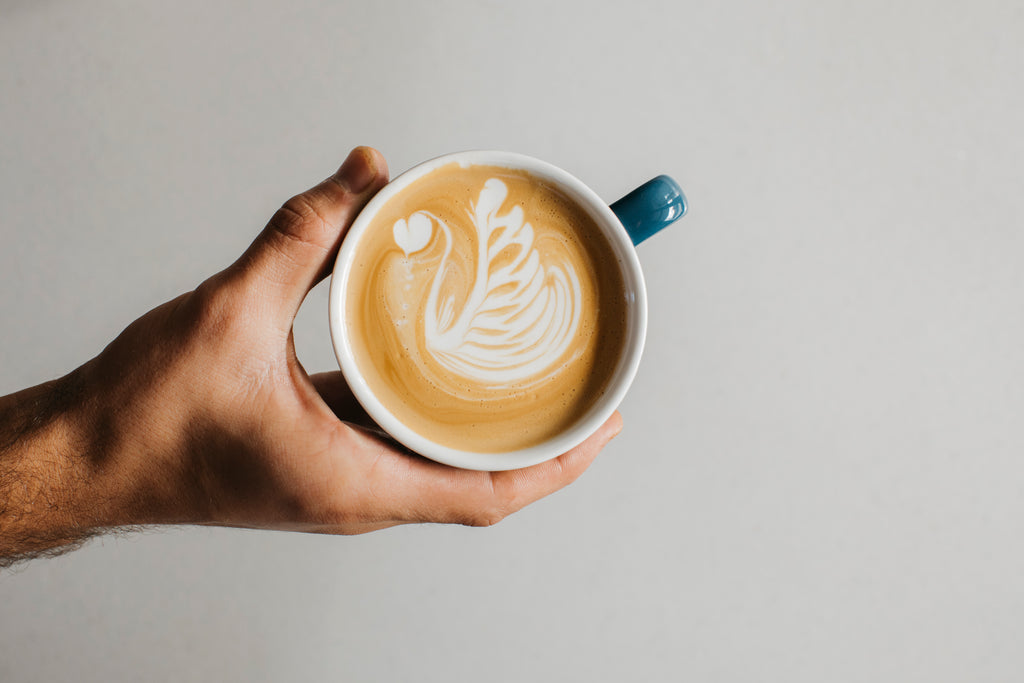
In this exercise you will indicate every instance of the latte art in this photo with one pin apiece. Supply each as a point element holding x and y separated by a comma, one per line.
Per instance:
<point>520,316</point>
<point>484,308</point>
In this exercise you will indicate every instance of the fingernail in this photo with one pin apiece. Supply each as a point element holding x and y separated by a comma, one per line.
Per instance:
<point>358,170</point>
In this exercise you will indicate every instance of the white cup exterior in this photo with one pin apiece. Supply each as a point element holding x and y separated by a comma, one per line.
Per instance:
<point>620,379</point>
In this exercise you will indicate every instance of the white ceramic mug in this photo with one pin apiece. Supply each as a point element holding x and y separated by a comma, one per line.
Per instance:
<point>644,211</point>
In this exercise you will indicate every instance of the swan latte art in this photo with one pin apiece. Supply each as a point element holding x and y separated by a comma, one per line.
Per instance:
<point>485,308</point>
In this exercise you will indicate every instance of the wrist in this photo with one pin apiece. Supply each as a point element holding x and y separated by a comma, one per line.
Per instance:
<point>133,461</point>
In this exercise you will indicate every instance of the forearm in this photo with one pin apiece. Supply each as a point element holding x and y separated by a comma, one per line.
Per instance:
<point>44,472</point>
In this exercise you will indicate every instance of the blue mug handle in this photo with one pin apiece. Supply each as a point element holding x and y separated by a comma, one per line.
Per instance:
<point>654,205</point>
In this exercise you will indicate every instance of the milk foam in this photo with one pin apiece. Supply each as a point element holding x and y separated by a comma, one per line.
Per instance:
<point>518,319</point>
<point>485,308</point>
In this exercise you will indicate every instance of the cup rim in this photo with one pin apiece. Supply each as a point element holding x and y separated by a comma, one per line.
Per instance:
<point>620,379</point>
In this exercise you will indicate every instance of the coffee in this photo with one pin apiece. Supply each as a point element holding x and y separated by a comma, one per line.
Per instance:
<point>485,308</point>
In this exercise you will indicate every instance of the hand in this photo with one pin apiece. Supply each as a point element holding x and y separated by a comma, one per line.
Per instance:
<point>200,412</point>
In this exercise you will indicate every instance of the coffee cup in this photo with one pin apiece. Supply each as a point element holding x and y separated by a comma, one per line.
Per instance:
<point>488,309</point>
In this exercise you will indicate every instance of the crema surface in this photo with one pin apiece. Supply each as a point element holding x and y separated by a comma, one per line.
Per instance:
<point>485,308</point>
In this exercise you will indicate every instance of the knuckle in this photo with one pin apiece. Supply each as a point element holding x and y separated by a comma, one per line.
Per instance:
<point>498,499</point>
<point>293,215</point>
<point>299,219</point>
<point>486,517</point>
<point>211,314</point>
<point>209,305</point>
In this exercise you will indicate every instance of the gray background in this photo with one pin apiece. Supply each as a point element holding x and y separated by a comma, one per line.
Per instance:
<point>820,477</point>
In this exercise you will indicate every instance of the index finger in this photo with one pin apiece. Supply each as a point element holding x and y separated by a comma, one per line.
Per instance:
<point>431,492</point>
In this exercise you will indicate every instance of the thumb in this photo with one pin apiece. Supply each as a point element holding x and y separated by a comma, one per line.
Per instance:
<point>298,247</point>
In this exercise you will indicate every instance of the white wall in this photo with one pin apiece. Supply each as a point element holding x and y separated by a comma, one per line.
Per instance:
<point>820,477</point>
